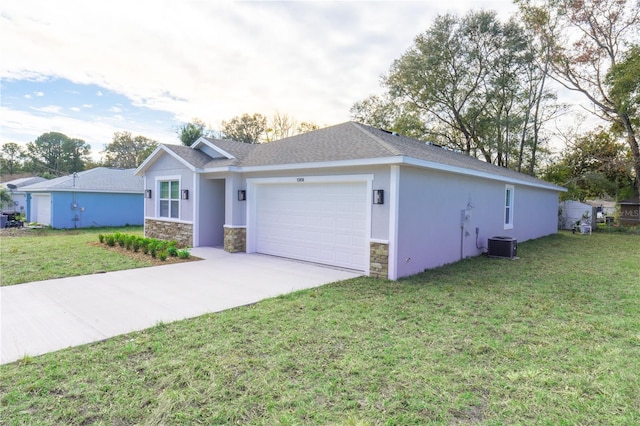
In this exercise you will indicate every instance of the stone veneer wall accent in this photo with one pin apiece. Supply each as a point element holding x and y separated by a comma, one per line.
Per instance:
<point>163,230</point>
<point>235,239</point>
<point>379,260</point>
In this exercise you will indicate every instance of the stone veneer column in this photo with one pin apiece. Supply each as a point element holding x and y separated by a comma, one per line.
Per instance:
<point>182,233</point>
<point>379,260</point>
<point>235,239</point>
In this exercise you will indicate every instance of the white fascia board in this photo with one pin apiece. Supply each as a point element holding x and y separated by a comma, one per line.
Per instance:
<point>476,173</point>
<point>142,168</point>
<point>303,166</point>
<point>202,141</point>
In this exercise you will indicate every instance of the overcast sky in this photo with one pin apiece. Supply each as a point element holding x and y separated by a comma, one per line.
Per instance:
<point>91,68</point>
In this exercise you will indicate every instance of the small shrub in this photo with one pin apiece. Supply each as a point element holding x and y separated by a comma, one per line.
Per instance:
<point>162,255</point>
<point>172,251</point>
<point>153,250</point>
<point>121,239</point>
<point>184,253</point>
<point>135,244</point>
<point>145,248</point>
<point>128,241</point>
<point>101,238</point>
<point>111,240</point>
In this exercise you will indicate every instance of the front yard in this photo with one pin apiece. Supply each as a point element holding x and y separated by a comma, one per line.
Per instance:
<point>550,338</point>
<point>28,255</point>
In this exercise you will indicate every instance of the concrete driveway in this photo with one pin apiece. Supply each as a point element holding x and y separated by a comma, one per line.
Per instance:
<point>46,316</point>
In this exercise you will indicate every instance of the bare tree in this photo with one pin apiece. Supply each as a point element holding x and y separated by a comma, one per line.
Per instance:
<point>587,38</point>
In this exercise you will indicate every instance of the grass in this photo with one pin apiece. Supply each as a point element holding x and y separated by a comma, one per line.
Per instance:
<point>552,339</point>
<point>44,254</point>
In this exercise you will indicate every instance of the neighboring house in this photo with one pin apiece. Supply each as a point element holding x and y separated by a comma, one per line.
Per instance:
<point>630,212</point>
<point>349,195</point>
<point>572,213</point>
<point>96,197</point>
<point>18,196</point>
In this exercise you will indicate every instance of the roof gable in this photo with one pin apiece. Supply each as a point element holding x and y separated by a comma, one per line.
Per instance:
<point>193,159</point>
<point>205,145</point>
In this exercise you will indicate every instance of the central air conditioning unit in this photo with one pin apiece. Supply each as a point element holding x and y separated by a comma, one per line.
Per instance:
<point>505,247</point>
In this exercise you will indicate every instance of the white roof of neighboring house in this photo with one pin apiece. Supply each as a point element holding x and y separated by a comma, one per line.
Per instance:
<point>100,179</point>
<point>19,183</point>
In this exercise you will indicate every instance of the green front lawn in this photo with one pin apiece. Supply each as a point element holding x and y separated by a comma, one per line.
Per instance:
<point>551,338</point>
<point>42,254</point>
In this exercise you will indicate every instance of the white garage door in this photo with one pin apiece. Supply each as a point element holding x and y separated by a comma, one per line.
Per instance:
<point>42,208</point>
<point>316,222</point>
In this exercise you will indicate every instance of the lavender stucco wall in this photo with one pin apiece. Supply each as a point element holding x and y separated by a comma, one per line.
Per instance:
<point>429,232</point>
<point>169,167</point>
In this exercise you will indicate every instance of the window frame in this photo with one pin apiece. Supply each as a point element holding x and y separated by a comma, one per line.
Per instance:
<point>507,216</point>
<point>170,199</point>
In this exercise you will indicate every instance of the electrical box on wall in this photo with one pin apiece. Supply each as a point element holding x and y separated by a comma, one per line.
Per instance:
<point>465,216</point>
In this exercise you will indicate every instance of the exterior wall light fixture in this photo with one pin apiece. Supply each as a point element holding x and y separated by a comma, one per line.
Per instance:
<point>147,193</point>
<point>378,196</point>
<point>242,195</point>
<point>184,194</point>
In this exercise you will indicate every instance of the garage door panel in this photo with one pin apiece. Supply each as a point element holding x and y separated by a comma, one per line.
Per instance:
<point>42,209</point>
<point>324,223</point>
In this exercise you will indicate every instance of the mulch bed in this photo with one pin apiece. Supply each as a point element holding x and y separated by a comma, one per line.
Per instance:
<point>143,257</point>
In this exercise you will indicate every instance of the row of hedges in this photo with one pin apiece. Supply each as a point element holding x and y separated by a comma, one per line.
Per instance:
<point>152,246</point>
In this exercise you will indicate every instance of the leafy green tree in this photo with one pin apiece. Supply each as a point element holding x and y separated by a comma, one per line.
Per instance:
<point>57,154</point>
<point>306,127</point>
<point>469,83</point>
<point>12,155</point>
<point>126,151</point>
<point>623,80</point>
<point>385,113</point>
<point>75,154</point>
<point>245,128</point>
<point>587,39</point>
<point>5,198</point>
<point>596,164</point>
<point>188,133</point>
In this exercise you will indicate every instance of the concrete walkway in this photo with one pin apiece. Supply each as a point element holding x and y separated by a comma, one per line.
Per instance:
<point>46,316</point>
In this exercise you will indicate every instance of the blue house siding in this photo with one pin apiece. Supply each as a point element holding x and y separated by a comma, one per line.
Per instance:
<point>95,209</point>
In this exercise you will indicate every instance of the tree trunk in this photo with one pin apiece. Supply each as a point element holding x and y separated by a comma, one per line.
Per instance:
<point>635,151</point>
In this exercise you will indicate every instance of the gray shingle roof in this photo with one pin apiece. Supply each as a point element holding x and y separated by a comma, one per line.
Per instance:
<point>343,142</point>
<point>100,179</point>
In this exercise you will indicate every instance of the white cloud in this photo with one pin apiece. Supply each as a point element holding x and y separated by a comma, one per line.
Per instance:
<point>39,94</point>
<point>75,109</point>
<point>213,60</point>
<point>27,96</point>
<point>23,127</point>
<point>115,109</point>
<point>99,93</point>
<point>50,109</point>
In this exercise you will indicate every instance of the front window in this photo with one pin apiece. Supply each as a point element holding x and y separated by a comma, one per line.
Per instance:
<point>170,199</point>
<point>508,207</point>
